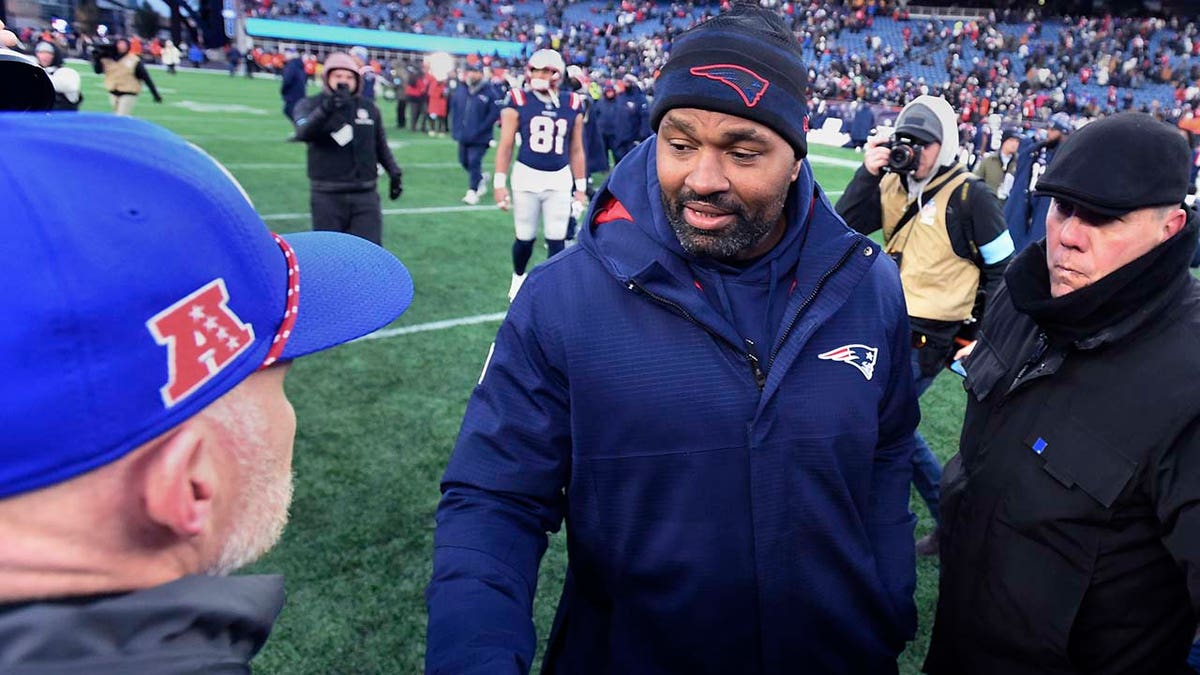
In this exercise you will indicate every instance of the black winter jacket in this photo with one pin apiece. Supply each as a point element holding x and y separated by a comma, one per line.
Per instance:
<point>1071,516</point>
<point>345,143</point>
<point>197,624</point>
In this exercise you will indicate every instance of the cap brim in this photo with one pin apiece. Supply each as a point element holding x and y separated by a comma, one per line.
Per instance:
<point>1063,196</point>
<point>348,287</point>
<point>24,84</point>
<point>919,135</point>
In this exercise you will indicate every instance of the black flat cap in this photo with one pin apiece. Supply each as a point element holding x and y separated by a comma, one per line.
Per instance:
<point>1120,164</point>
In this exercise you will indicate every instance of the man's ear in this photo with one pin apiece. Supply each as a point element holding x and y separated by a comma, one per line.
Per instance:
<point>796,169</point>
<point>1174,223</point>
<point>179,481</point>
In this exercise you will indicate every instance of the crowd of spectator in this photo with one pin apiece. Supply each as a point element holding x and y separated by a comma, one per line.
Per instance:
<point>1017,65</point>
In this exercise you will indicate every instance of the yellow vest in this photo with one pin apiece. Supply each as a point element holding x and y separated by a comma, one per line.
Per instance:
<point>119,75</point>
<point>938,284</point>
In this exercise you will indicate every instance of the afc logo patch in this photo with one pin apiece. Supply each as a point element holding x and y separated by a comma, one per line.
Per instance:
<point>202,336</point>
<point>747,83</point>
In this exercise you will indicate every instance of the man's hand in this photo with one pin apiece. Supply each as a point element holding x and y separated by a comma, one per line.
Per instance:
<point>875,155</point>
<point>396,188</point>
<point>965,351</point>
<point>157,98</point>
<point>7,37</point>
<point>500,194</point>
<point>579,205</point>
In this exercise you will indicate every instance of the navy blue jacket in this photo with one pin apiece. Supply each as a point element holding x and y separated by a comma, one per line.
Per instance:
<point>294,81</point>
<point>606,114</point>
<point>864,122</point>
<point>593,140</point>
<point>473,114</point>
<point>1024,213</point>
<point>633,117</point>
<point>717,523</point>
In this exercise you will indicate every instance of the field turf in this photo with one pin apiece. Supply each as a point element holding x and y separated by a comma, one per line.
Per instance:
<point>378,419</point>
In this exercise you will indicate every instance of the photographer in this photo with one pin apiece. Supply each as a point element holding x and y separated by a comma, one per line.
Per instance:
<point>945,230</point>
<point>346,141</point>
<point>123,73</point>
<point>67,88</point>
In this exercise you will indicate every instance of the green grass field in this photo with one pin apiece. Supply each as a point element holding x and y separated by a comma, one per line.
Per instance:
<point>378,419</point>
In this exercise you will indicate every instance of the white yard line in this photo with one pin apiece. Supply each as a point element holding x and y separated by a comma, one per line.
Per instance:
<point>242,166</point>
<point>433,325</point>
<point>835,161</point>
<point>394,212</point>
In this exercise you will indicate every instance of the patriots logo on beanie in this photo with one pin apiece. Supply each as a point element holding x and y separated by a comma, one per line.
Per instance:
<point>747,83</point>
<point>753,53</point>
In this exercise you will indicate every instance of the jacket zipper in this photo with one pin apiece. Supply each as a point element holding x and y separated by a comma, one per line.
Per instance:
<point>808,301</point>
<point>760,378</point>
<point>1039,352</point>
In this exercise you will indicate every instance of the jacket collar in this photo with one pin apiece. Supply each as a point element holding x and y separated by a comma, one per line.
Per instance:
<point>629,233</point>
<point>225,617</point>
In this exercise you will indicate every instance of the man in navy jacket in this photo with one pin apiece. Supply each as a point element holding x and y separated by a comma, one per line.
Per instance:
<point>474,108</point>
<point>713,390</point>
<point>1025,211</point>
<point>294,87</point>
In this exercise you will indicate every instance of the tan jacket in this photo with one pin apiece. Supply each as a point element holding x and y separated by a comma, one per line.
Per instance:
<point>120,76</point>
<point>938,284</point>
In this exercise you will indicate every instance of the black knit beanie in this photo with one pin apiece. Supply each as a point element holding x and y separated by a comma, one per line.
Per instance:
<point>745,63</point>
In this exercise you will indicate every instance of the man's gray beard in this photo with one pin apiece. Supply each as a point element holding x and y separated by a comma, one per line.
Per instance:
<point>745,233</point>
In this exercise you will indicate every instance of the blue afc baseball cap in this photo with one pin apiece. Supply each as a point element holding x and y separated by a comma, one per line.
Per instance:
<point>140,285</point>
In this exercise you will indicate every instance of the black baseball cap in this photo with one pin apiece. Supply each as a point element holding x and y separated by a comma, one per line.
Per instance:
<point>919,122</point>
<point>1119,164</point>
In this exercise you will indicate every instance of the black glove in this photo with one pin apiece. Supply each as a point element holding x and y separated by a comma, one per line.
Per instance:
<point>397,186</point>
<point>157,98</point>
<point>336,101</point>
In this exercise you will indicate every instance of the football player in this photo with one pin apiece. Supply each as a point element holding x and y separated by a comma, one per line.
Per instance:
<point>550,161</point>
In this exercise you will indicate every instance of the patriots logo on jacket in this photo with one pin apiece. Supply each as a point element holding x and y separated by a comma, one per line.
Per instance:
<point>747,83</point>
<point>859,356</point>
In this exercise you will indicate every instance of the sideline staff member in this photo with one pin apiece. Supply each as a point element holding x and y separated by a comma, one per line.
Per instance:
<point>1071,534</point>
<point>346,140</point>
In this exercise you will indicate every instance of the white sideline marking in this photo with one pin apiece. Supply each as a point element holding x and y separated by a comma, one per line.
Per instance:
<point>834,161</point>
<point>395,212</point>
<point>433,325</point>
<point>421,209</point>
<point>300,165</point>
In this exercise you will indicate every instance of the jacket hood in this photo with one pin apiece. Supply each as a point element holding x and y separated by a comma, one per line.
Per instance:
<point>923,110</point>
<point>343,61</point>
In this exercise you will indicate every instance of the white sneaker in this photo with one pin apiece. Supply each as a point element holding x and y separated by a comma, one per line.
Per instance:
<point>483,184</point>
<point>515,286</point>
<point>471,198</point>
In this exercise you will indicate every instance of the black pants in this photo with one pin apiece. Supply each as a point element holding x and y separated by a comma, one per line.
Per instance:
<point>401,104</point>
<point>417,114</point>
<point>357,213</point>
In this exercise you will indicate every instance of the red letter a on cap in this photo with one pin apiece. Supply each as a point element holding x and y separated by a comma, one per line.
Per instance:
<point>202,336</point>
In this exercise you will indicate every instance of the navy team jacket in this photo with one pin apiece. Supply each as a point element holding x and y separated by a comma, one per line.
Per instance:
<point>721,517</point>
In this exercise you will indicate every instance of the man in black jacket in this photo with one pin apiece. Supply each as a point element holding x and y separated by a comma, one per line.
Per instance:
<point>1071,516</point>
<point>945,230</point>
<point>346,141</point>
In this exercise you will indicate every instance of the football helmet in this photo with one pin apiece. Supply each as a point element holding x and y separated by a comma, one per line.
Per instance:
<point>545,59</point>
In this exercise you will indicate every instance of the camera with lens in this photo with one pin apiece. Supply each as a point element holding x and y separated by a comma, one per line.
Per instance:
<point>104,51</point>
<point>904,155</point>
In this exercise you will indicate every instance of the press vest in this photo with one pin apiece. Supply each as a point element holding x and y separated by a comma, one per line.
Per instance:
<point>122,75</point>
<point>938,284</point>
